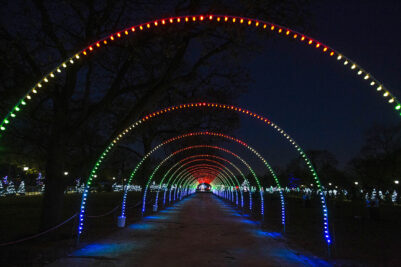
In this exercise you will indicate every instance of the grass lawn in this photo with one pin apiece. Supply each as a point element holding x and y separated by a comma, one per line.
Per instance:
<point>355,236</point>
<point>21,218</point>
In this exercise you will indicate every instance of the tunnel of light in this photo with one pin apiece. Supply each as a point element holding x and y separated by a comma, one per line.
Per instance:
<point>186,149</point>
<point>217,106</point>
<point>216,19</point>
<point>270,169</point>
<point>202,156</point>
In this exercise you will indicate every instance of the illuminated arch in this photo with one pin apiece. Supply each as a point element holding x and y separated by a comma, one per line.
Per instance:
<point>260,24</point>
<point>209,169</point>
<point>207,156</point>
<point>207,133</point>
<point>226,170</point>
<point>227,187</point>
<point>185,175</point>
<point>231,108</point>
<point>185,149</point>
<point>187,180</point>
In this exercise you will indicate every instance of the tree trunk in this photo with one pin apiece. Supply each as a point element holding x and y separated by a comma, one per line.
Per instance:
<point>56,182</point>
<point>53,199</point>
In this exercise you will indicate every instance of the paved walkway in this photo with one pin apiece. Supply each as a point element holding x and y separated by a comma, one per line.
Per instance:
<point>201,230</point>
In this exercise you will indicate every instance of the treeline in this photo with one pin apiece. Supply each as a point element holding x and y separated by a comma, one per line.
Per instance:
<point>377,165</point>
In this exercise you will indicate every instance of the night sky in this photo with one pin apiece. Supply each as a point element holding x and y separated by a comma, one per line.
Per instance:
<point>314,98</point>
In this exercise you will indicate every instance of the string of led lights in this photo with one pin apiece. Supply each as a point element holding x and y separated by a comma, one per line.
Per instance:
<point>225,107</point>
<point>270,169</point>
<point>191,19</point>
<point>137,168</point>
<point>180,162</point>
<point>222,179</point>
<point>239,142</point>
<point>231,189</point>
<point>226,184</point>
<point>242,203</point>
<point>224,168</point>
<point>207,171</point>
<point>207,156</point>
<point>188,171</point>
<point>227,171</point>
<point>188,148</point>
<point>190,180</point>
<point>175,139</point>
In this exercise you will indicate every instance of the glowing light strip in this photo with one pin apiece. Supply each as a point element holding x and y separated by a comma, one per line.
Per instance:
<point>231,108</point>
<point>158,147</point>
<point>197,160</point>
<point>207,156</point>
<point>207,133</point>
<point>184,149</point>
<point>259,24</point>
<point>203,169</point>
<point>242,203</point>
<point>250,198</point>
<point>197,156</point>
<point>184,174</point>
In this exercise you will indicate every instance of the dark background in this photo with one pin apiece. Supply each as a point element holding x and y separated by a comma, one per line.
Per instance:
<point>318,101</point>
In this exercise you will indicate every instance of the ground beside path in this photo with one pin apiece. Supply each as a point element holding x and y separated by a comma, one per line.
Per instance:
<point>201,230</point>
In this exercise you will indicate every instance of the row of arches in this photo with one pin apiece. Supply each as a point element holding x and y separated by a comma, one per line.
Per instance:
<point>220,175</point>
<point>220,107</point>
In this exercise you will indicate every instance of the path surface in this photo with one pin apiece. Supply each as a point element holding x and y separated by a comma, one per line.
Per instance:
<point>201,230</point>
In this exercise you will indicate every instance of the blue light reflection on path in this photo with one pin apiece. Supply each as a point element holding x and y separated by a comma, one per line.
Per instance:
<point>203,228</point>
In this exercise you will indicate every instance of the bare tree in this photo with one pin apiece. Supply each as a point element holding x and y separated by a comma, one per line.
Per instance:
<point>78,114</point>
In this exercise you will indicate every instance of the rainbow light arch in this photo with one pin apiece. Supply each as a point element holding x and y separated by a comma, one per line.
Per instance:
<point>207,170</point>
<point>204,169</point>
<point>211,134</point>
<point>208,133</point>
<point>185,180</point>
<point>231,108</point>
<point>209,163</point>
<point>190,171</point>
<point>187,177</point>
<point>207,156</point>
<point>226,171</point>
<point>220,19</point>
<point>185,149</point>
